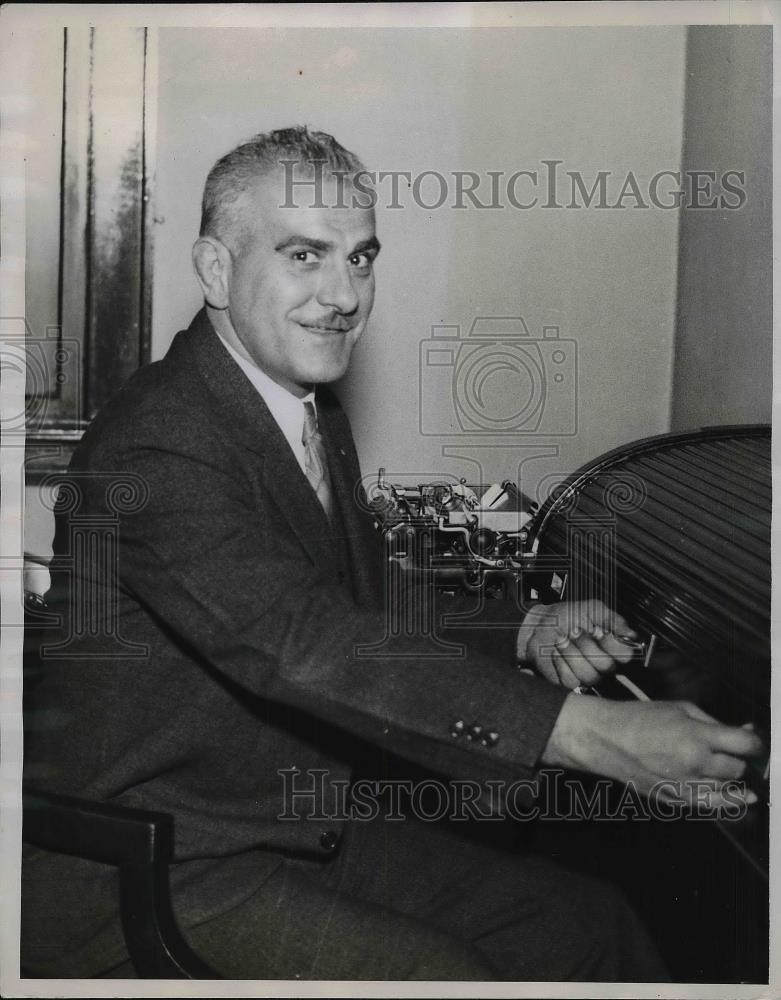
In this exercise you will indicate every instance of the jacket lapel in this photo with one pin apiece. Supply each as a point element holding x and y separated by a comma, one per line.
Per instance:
<point>360,538</point>
<point>247,414</point>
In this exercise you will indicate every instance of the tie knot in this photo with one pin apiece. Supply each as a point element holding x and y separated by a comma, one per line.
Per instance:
<point>310,423</point>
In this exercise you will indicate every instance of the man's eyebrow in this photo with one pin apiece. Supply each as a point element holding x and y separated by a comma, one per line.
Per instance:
<point>304,241</point>
<point>371,244</point>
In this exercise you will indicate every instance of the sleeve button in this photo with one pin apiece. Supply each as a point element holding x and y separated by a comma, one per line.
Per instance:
<point>328,840</point>
<point>490,739</point>
<point>457,727</point>
<point>474,732</point>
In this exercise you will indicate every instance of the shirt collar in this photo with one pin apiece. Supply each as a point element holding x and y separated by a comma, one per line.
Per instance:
<point>286,409</point>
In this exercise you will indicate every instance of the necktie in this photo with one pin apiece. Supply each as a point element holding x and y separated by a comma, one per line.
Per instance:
<point>316,461</point>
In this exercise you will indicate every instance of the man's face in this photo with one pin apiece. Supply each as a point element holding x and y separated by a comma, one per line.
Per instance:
<point>302,286</point>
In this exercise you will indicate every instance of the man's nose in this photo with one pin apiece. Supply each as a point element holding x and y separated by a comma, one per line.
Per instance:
<point>336,290</point>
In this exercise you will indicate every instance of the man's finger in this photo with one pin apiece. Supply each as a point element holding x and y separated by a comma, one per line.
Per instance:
<point>695,712</point>
<point>612,621</point>
<point>719,797</point>
<point>566,677</point>
<point>737,740</point>
<point>733,740</point>
<point>719,801</point>
<point>577,664</point>
<point>593,651</point>
<point>725,767</point>
<point>616,649</point>
<point>620,626</point>
<point>540,655</point>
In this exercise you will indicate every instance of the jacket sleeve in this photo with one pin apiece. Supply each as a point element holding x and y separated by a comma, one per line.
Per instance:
<point>219,567</point>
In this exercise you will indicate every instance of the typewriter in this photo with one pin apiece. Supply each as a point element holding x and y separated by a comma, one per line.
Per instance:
<point>459,537</point>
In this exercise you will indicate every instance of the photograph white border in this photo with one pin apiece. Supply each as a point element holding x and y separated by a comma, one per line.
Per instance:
<point>17,21</point>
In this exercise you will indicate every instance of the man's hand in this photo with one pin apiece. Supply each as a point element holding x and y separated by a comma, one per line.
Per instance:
<point>575,642</point>
<point>647,742</point>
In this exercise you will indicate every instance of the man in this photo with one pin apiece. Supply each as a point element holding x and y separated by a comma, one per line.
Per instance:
<point>251,576</point>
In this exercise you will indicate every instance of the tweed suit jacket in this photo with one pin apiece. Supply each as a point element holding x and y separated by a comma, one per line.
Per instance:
<point>240,610</point>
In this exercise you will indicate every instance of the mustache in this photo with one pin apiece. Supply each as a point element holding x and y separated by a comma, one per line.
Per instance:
<point>339,324</point>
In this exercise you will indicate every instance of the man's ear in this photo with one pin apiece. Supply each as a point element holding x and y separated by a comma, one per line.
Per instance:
<point>212,263</point>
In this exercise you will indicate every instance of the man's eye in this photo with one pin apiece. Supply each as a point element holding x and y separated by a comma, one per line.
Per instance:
<point>305,256</point>
<point>361,260</point>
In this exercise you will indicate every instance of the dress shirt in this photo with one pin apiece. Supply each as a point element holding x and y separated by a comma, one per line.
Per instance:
<point>286,409</point>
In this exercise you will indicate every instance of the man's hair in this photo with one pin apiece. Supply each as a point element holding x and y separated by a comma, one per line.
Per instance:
<point>233,175</point>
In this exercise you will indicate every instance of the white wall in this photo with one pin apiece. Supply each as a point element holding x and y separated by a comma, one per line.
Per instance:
<point>43,130</point>
<point>449,99</point>
<point>724,336</point>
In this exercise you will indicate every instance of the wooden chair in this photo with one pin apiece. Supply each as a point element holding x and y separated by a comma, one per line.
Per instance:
<point>139,843</point>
